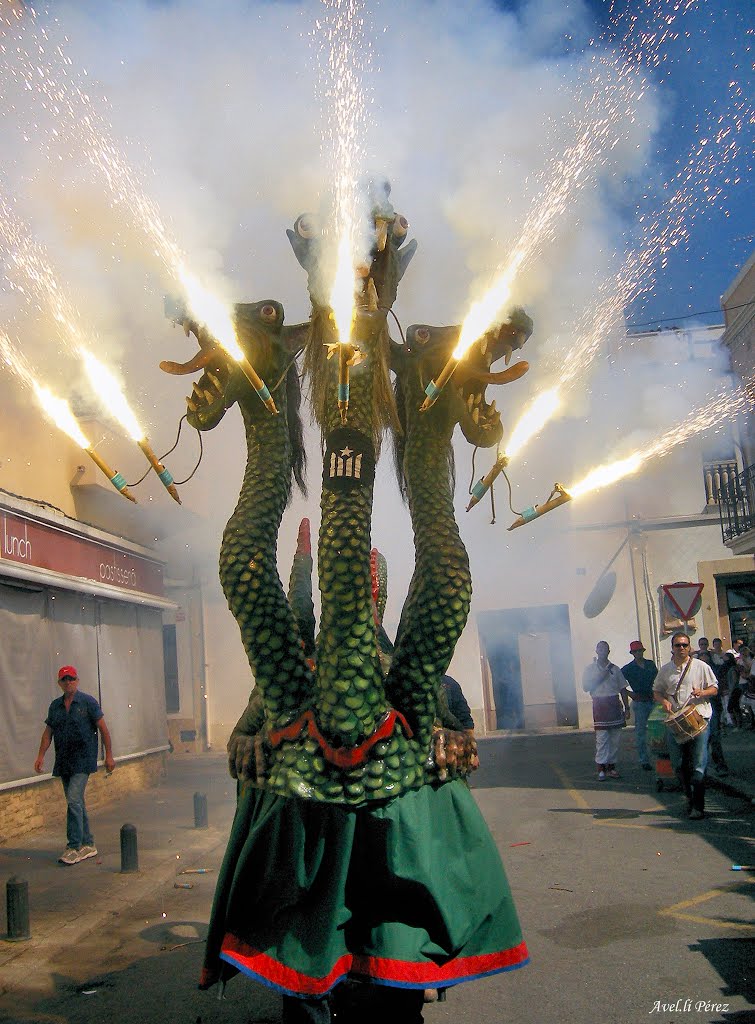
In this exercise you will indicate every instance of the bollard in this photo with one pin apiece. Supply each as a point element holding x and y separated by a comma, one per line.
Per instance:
<point>17,900</point>
<point>200,810</point>
<point>129,852</point>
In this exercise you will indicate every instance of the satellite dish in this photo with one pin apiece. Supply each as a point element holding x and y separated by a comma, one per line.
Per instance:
<point>600,595</point>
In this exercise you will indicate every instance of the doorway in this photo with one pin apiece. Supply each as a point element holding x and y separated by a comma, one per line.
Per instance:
<point>529,667</point>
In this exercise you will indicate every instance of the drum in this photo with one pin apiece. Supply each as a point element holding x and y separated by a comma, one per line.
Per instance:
<point>685,724</point>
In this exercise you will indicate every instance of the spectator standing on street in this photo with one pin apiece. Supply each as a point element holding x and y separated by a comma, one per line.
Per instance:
<point>738,678</point>
<point>721,663</point>
<point>687,680</point>
<point>610,708</point>
<point>703,651</point>
<point>640,673</point>
<point>72,722</point>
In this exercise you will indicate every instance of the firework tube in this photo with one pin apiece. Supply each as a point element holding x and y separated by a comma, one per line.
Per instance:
<point>434,388</point>
<point>258,384</point>
<point>345,352</point>
<point>116,479</point>
<point>165,478</point>
<point>560,496</point>
<point>482,486</point>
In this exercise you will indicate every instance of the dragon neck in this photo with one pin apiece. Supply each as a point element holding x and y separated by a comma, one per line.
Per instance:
<point>439,597</point>
<point>249,571</point>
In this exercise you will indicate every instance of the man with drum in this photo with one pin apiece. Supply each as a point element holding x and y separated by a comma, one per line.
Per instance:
<point>683,686</point>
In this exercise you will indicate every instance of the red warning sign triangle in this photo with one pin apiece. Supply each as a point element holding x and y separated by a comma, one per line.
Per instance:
<point>683,596</point>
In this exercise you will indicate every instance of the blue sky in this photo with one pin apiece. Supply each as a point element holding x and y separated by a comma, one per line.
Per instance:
<point>714,49</point>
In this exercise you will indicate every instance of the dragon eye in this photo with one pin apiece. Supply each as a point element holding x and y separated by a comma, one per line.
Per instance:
<point>269,312</point>
<point>305,226</point>
<point>422,335</point>
<point>400,227</point>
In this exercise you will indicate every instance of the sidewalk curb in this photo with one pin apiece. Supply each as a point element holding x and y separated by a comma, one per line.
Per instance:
<point>126,890</point>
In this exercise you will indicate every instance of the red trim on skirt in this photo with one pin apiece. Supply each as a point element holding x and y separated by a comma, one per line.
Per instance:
<point>379,969</point>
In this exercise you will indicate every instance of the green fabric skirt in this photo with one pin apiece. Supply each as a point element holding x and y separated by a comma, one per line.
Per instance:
<point>410,892</point>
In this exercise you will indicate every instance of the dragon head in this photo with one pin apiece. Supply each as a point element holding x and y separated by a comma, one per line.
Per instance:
<point>387,257</point>
<point>258,328</point>
<point>431,347</point>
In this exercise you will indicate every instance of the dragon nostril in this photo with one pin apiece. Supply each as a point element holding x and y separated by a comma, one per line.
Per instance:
<point>268,311</point>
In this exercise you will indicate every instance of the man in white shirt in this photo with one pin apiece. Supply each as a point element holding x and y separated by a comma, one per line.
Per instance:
<point>686,680</point>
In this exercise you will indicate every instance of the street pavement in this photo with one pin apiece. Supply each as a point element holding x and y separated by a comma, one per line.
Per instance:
<point>630,911</point>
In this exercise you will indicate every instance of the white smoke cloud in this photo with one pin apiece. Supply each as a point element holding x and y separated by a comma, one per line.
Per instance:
<point>215,106</point>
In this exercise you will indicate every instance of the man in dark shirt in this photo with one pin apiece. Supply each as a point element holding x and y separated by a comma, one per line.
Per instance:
<point>72,722</point>
<point>640,673</point>
<point>457,703</point>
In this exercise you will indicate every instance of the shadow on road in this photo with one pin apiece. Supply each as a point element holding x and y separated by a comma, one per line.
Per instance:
<point>153,990</point>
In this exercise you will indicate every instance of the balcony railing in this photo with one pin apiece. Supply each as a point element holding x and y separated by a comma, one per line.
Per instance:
<point>720,477</point>
<point>736,504</point>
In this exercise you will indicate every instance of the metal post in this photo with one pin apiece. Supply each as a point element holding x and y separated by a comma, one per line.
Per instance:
<point>200,810</point>
<point>129,852</point>
<point>17,899</point>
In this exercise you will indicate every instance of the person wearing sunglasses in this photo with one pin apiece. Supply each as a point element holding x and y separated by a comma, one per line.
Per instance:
<point>73,721</point>
<point>687,680</point>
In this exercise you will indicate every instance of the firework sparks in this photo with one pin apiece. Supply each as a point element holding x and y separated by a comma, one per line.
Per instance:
<point>111,396</point>
<point>700,182</point>
<point>719,408</point>
<point>344,59</point>
<point>58,411</point>
<point>41,67</point>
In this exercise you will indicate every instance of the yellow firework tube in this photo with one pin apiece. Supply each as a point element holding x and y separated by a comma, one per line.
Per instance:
<point>258,384</point>
<point>165,478</point>
<point>482,486</point>
<point>560,496</point>
<point>434,388</point>
<point>345,352</point>
<point>116,479</point>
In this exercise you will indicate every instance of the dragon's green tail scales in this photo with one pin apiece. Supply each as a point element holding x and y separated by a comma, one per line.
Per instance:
<point>349,761</point>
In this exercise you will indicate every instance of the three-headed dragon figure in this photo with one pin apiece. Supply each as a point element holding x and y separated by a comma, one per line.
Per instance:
<point>357,850</point>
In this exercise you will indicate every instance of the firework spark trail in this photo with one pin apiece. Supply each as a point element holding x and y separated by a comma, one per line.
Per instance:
<point>718,409</point>
<point>34,277</point>
<point>695,188</point>
<point>605,111</point>
<point>42,67</point>
<point>344,60</point>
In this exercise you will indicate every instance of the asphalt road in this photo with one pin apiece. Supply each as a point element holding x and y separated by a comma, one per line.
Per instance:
<point>630,911</point>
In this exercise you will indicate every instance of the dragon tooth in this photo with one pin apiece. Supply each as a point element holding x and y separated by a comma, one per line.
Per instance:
<point>209,397</point>
<point>491,408</point>
<point>192,407</point>
<point>214,380</point>
<point>476,415</point>
<point>372,295</point>
<point>509,353</point>
<point>187,327</point>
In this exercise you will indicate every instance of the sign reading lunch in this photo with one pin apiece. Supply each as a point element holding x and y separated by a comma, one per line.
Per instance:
<point>27,541</point>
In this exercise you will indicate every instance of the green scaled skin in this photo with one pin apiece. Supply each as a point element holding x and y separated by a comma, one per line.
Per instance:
<point>440,592</point>
<point>312,734</point>
<point>248,554</point>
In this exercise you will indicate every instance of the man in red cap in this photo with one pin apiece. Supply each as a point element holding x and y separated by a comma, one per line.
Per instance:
<point>72,722</point>
<point>640,673</point>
